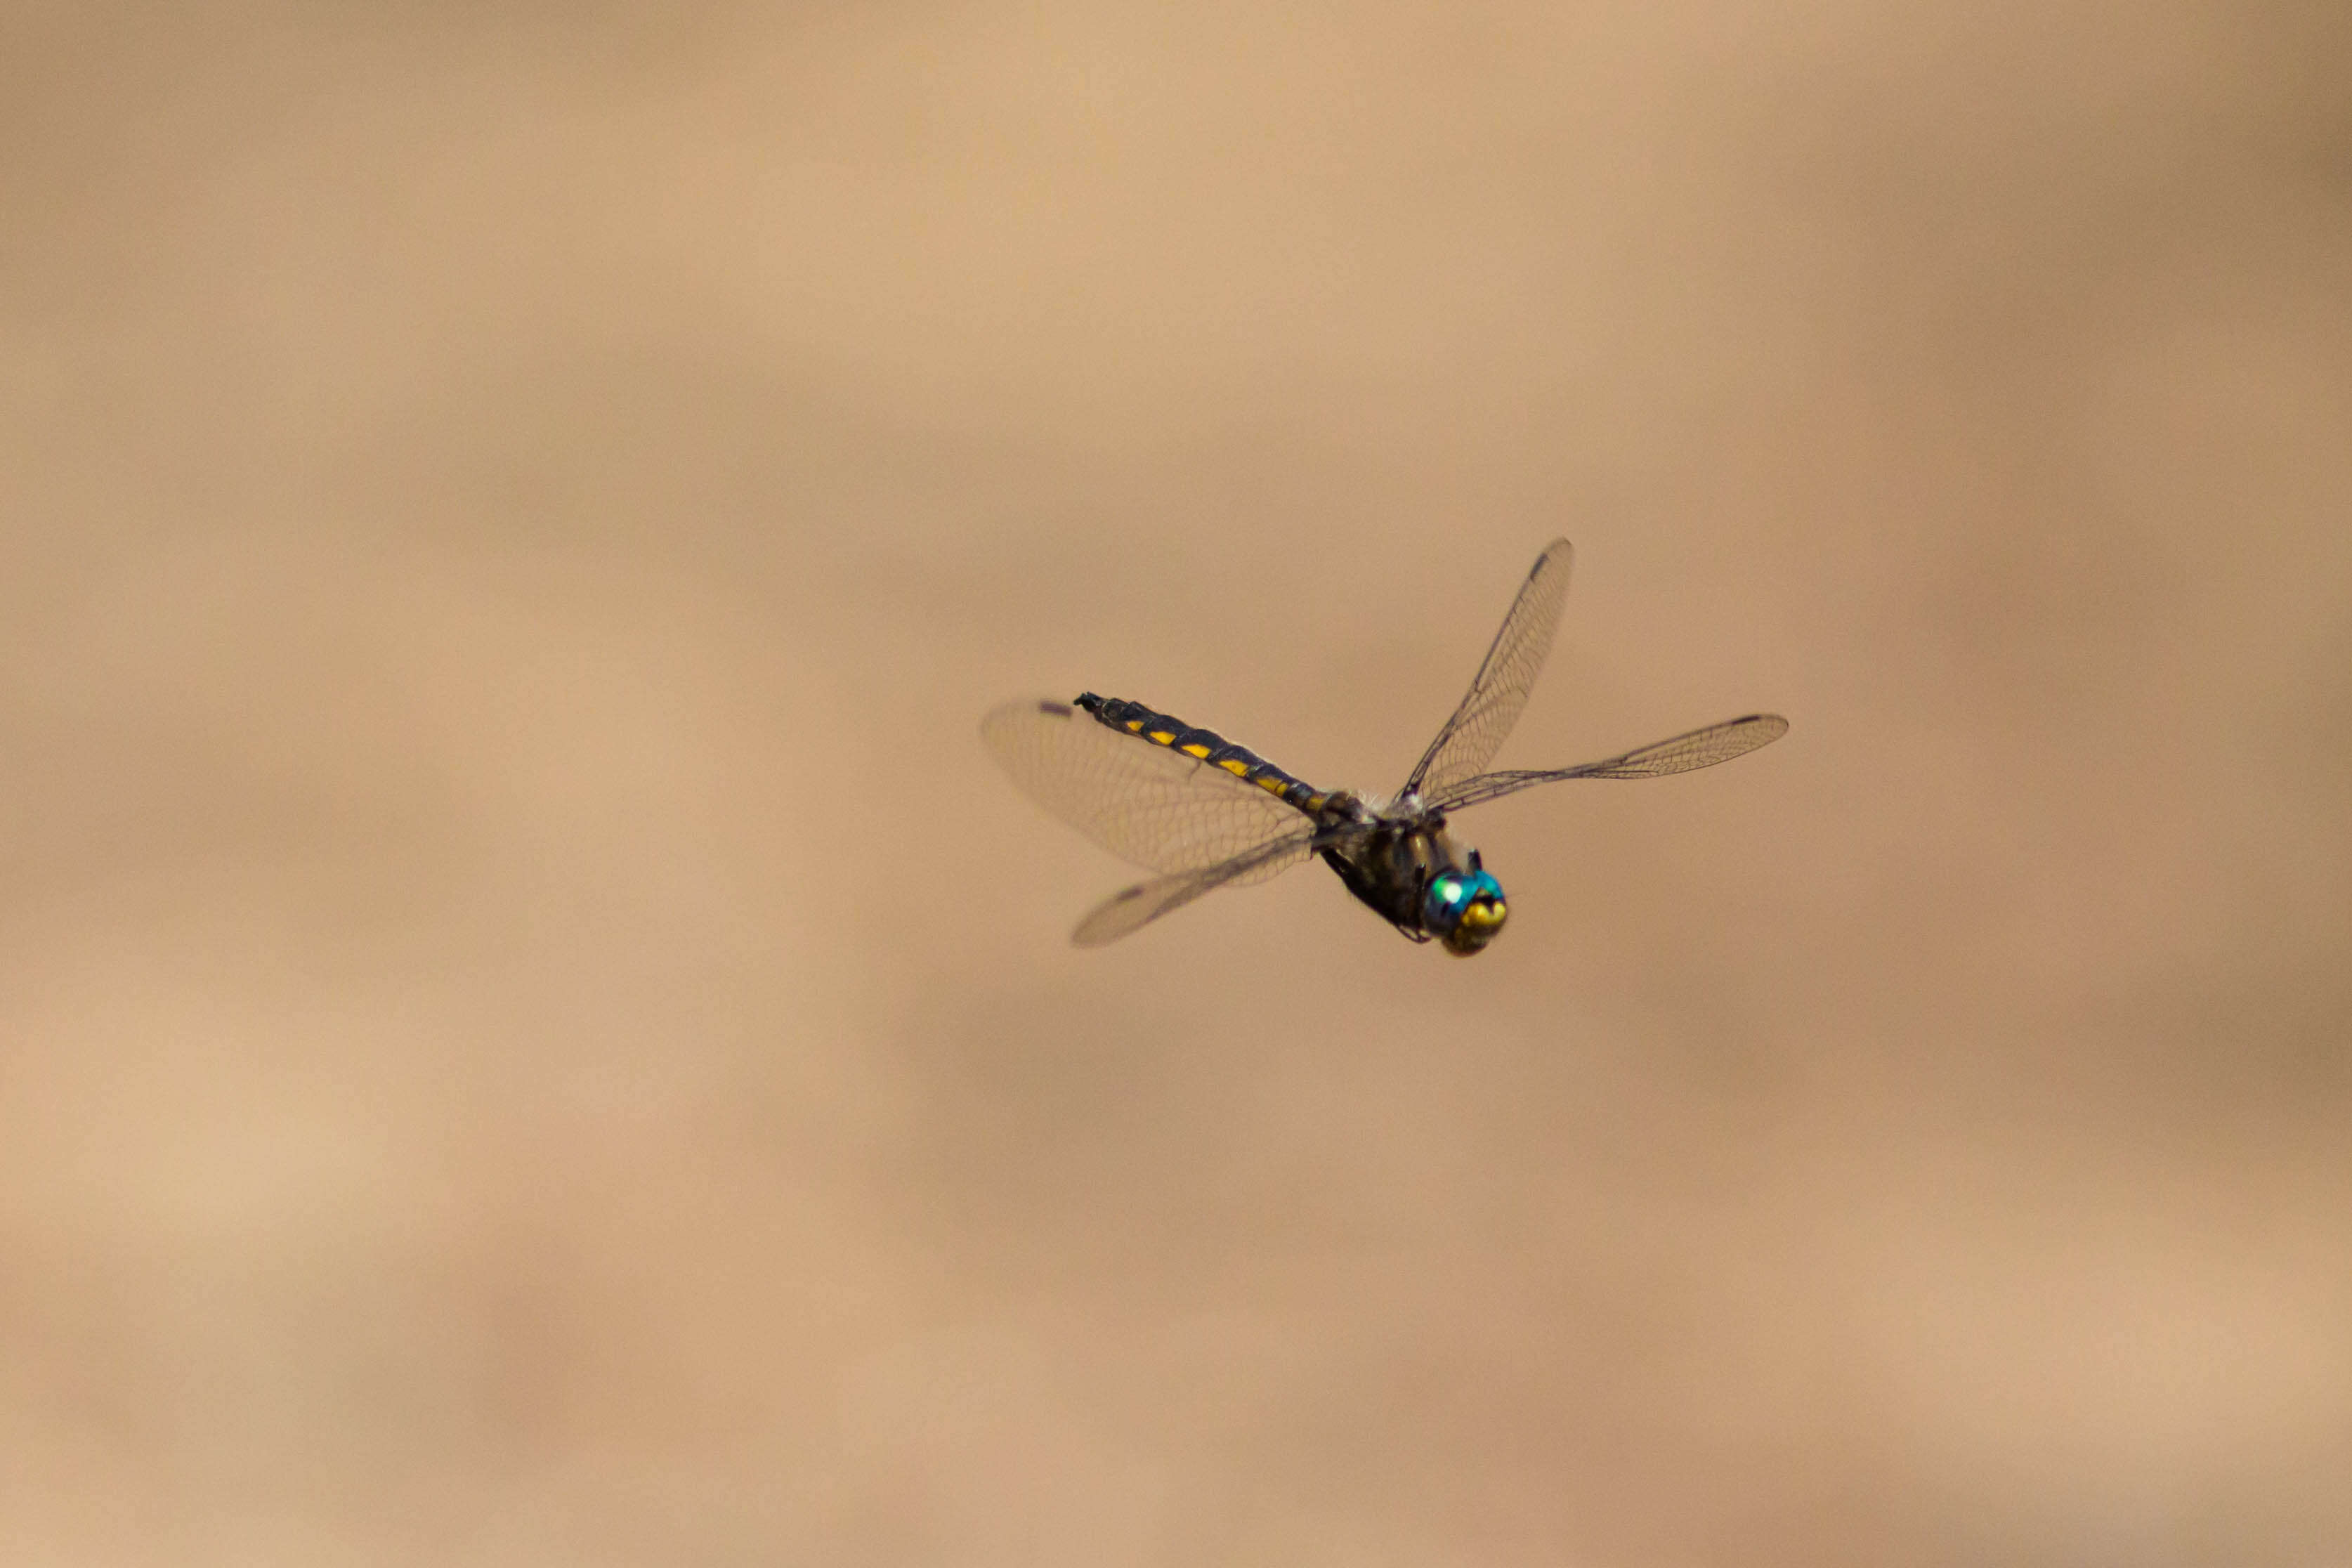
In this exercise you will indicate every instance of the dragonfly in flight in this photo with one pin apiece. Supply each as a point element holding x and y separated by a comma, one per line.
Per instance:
<point>1202,813</point>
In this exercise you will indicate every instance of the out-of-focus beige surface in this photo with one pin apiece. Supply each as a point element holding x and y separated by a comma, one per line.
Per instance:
<point>530,1033</point>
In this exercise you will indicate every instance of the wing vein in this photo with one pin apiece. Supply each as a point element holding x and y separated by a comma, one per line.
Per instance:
<point>1678,754</point>
<point>1498,692</point>
<point>1152,807</point>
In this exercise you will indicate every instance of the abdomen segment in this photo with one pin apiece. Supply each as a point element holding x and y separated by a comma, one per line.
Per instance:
<point>1164,730</point>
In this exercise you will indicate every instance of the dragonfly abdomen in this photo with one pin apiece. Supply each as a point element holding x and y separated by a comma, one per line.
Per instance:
<point>1165,730</point>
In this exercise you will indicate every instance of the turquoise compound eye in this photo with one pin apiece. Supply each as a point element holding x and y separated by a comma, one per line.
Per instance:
<point>1448,890</point>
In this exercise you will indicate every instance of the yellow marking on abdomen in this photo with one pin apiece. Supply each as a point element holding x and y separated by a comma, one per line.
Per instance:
<point>1233,766</point>
<point>1161,737</point>
<point>1194,750</point>
<point>1271,784</point>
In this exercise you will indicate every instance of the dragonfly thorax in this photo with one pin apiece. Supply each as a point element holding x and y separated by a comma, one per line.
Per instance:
<point>1369,808</point>
<point>1406,807</point>
<point>1407,868</point>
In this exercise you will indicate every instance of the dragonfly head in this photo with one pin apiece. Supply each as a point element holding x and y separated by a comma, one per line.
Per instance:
<point>1465,909</point>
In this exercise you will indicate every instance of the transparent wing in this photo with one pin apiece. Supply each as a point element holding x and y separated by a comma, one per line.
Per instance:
<point>1130,908</point>
<point>1150,807</point>
<point>1471,737</point>
<point>1699,749</point>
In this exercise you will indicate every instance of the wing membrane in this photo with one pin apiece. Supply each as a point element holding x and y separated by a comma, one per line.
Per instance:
<point>1150,807</point>
<point>1682,754</point>
<point>1499,690</point>
<point>1132,908</point>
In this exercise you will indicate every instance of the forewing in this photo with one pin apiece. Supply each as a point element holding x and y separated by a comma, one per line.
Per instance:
<point>1130,908</point>
<point>1491,706</point>
<point>1150,807</point>
<point>1682,754</point>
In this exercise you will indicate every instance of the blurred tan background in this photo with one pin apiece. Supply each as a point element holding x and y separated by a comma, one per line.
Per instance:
<point>530,1032</point>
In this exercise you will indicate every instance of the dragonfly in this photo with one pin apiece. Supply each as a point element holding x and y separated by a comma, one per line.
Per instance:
<point>1202,813</point>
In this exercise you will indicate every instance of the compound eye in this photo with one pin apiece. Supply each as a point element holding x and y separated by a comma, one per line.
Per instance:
<point>1449,891</point>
